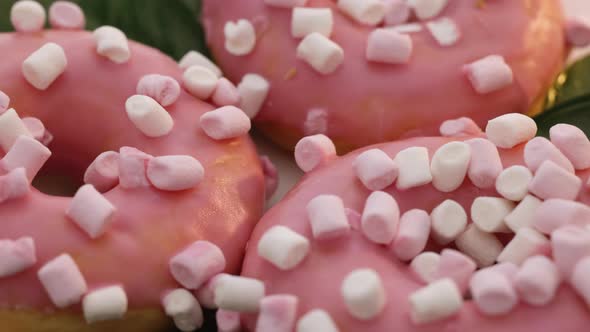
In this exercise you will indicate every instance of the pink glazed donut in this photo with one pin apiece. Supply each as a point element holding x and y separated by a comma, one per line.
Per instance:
<point>473,233</point>
<point>169,202</point>
<point>365,72</point>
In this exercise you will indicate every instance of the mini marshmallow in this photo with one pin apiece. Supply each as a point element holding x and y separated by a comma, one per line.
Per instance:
<point>523,214</point>
<point>4,102</point>
<point>206,293</point>
<point>253,90</point>
<point>414,168</point>
<point>364,294</point>
<point>552,181</point>
<point>488,213</point>
<point>283,248</point>
<point>308,20</point>
<point>425,265</point>
<point>445,31</point>
<point>437,301</point>
<point>513,182</point>
<point>285,3</point>
<point>412,236</point>
<point>132,168</point>
<point>367,12</point>
<point>507,269</point>
<point>573,143</point>
<point>35,127</point>
<point>27,153</point>
<point>11,127</point>
<point>426,9</point>
<point>457,267</point>
<point>27,16</point>
<point>322,54</point>
<point>509,130</point>
<point>103,172</point>
<point>537,281</point>
<point>459,127</point>
<point>66,15</point>
<point>239,294</point>
<point>63,281</point>
<point>226,122</point>
<point>194,58</point>
<point>277,313</point>
<point>103,304</point>
<point>228,321</point>
<point>380,218</point>
<point>396,12</point>
<point>493,293</point>
<point>485,165</point>
<point>200,81</point>
<point>449,165</point>
<point>448,221</point>
<point>225,93</point>
<point>112,44</point>
<point>91,211</point>
<point>569,245</point>
<point>174,173</point>
<point>555,213</point>
<point>389,46</point>
<point>489,74</point>
<point>184,309</point>
<point>577,31</point>
<point>407,28</point>
<point>16,256</point>
<point>240,37</point>
<point>312,151</point>
<point>579,279</point>
<point>271,176</point>
<point>526,243</point>
<point>539,150</point>
<point>375,169</point>
<point>316,320</point>
<point>327,217</point>
<point>14,185</point>
<point>483,247</point>
<point>148,116</point>
<point>163,89</point>
<point>196,264</point>
<point>45,65</point>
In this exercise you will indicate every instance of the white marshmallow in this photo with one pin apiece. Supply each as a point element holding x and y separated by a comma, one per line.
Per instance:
<point>407,28</point>
<point>483,247</point>
<point>253,90</point>
<point>445,31</point>
<point>327,217</point>
<point>199,81</point>
<point>322,54</point>
<point>425,266</point>
<point>509,130</point>
<point>45,65</point>
<point>513,182</point>
<point>27,16</point>
<point>148,116</point>
<point>184,309</point>
<point>439,300</point>
<point>523,214</point>
<point>11,127</point>
<point>308,20</point>
<point>449,166</point>
<point>367,12</point>
<point>448,221</point>
<point>282,247</point>
<point>316,320</point>
<point>489,74</point>
<point>112,44</point>
<point>239,293</point>
<point>426,9</point>
<point>240,37</point>
<point>488,213</point>
<point>193,58</point>
<point>380,218</point>
<point>414,168</point>
<point>364,294</point>
<point>108,303</point>
<point>526,243</point>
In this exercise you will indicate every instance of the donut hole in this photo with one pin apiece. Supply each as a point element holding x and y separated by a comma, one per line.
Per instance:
<point>59,177</point>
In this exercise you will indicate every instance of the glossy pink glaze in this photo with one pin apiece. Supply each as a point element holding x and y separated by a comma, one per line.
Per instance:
<point>317,280</point>
<point>85,110</point>
<point>369,103</point>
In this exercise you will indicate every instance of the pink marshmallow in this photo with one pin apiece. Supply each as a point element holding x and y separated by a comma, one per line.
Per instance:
<point>540,149</point>
<point>507,269</point>
<point>579,279</point>
<point>397,12</point>
<point>196,264</point>
<point>375,169</point>
<point>460,127</point>
<point>313,151</point>
<point>103,172</point>
<point>354,219</point>
<point>327,217</point>
<point>4,102</point>
<point>577,32</point>
<point>35,127</point>
<point>316,122</point>
<point>16,256</point>
<point>174,173</point>
<point>228,321</point>
<point>456,266</point>
<point>388,46</point>
<point>63,281</point>
<point>412,236</point>
<point>556,213</point>
<point>277,313</point>
<point>226,93</point>
<point>271,176</point>
<point>573,143</point>
<point>14,185</point>
<point>485,164</point>
<point>132,168</point>
<point>225,123</point>
<point>552,181</point>
<point>570,244</point>
<point>489,74</point>
<point>380,219</point>
<point>163,89</point>
<point>27,153</point>
<point>66,15</point>
<point>91,211</point>
<point>286,3</point>
<point>537,281</point>
<point>206,293</point>
<point>493,292</point>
